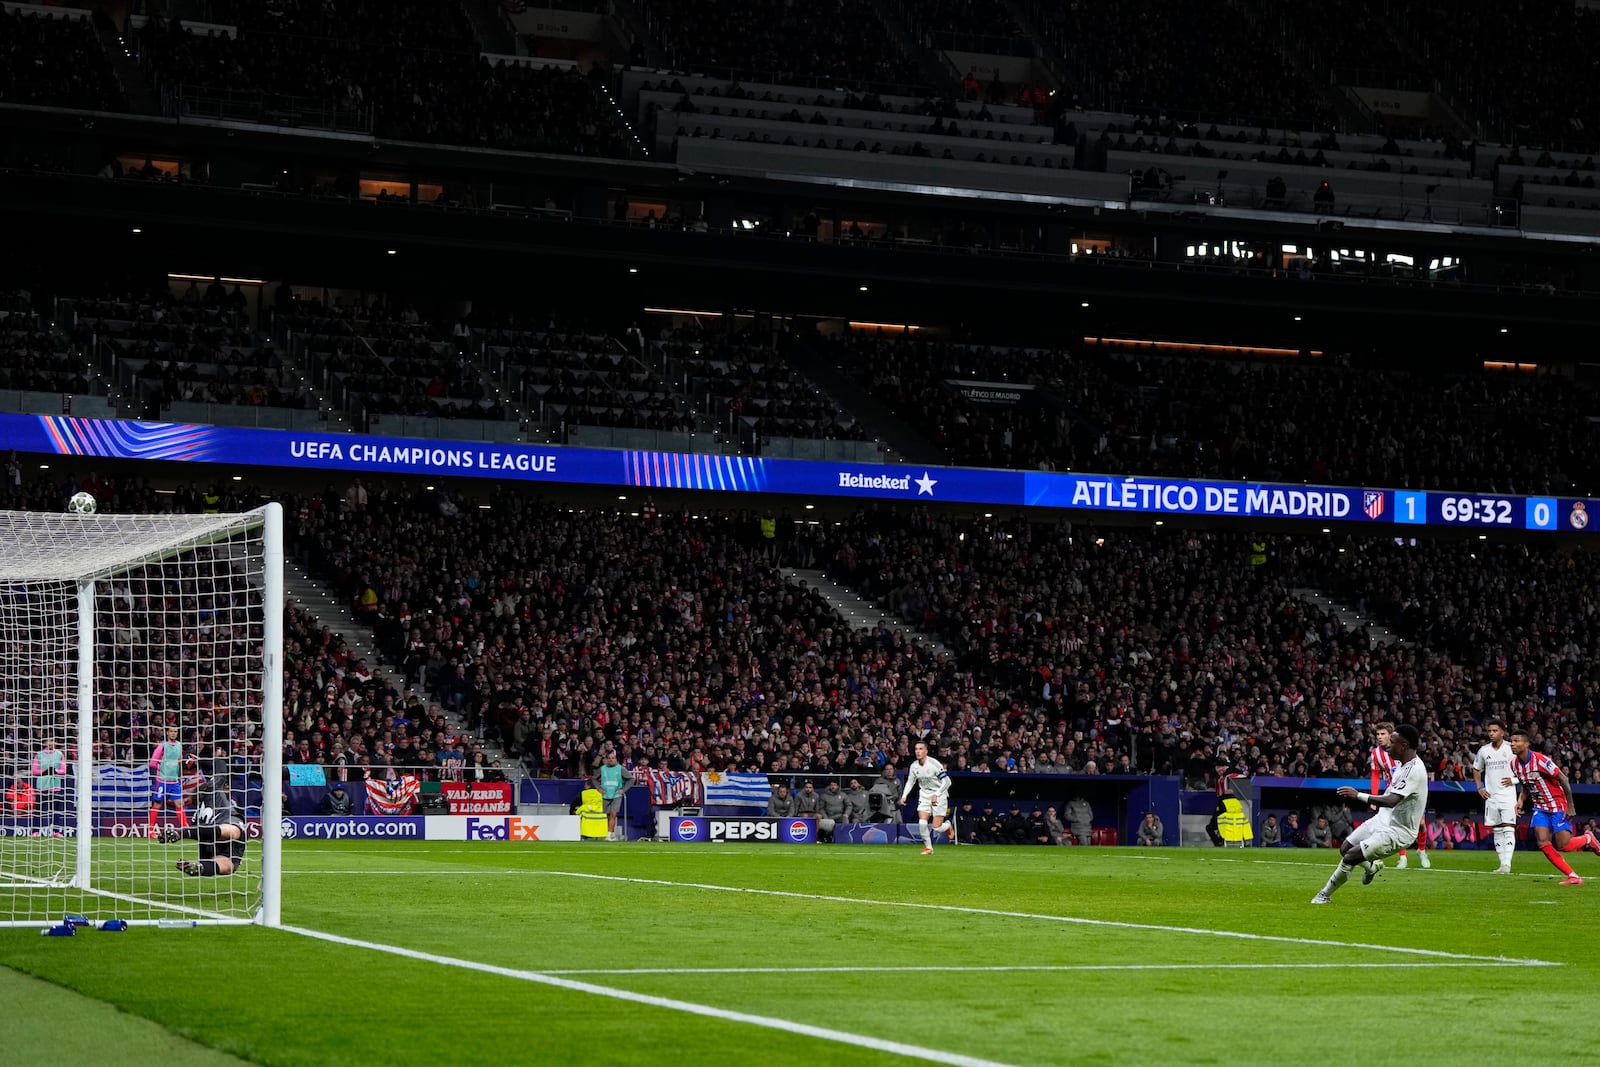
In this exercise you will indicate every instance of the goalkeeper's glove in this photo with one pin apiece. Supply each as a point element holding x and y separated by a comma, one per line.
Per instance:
<point>170,835</point>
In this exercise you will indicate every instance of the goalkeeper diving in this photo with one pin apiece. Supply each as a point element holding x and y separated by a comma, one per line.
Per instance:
<point>219,827</point>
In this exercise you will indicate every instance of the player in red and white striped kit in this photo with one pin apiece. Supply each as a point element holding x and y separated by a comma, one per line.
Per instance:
<point>1382,773</point>
<point>1538,777</point>
<point>933,794</point>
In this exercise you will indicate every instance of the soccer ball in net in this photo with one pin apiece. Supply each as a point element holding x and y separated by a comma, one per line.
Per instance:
<point>81,504</point>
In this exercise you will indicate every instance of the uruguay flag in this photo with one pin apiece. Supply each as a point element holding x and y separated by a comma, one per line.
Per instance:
<point>121,789</point>
<point>737,790</point>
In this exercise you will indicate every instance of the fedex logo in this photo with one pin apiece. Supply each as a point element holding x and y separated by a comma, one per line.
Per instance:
<point>502,830</point>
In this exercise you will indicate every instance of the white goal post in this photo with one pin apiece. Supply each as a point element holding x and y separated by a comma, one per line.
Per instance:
<point>141,717</point>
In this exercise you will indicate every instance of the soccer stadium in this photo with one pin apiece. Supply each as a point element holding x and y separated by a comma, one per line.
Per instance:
<point>975,532</point>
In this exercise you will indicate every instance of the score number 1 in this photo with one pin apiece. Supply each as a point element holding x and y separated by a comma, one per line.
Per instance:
<point>1410,507</point>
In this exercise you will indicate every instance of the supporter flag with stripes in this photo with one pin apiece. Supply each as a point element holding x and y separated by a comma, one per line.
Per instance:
<point>737,790</point>
<point>392,797</point>
<point>121,788</point>
<point>668,789</point>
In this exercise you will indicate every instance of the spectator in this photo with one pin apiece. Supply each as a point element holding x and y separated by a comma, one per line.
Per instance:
<point>1080,817</point>
<point>855,803</point>
<point>336,801</point>
<point>831,808</point>
<point>991,825</point>
<point>1038,831</point>
<point>782,804</point>
<point>808,802</point>
<point>1057,832</point>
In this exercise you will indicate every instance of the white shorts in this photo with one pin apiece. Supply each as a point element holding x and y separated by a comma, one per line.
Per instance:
<point>937,805</point>
<point>1377,840</point>
<point>1500,811</point>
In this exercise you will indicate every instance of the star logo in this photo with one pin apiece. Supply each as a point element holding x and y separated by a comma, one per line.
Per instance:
<point>925,484</point>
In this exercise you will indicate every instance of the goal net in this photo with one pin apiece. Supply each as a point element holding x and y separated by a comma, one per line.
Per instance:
<point>140,717</point>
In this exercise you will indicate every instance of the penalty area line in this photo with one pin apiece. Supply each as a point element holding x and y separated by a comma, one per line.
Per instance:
<point>1073,920</point>
<point>822,1033</point>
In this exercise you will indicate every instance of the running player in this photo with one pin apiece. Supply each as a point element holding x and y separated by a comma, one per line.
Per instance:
<point>1398,816</point>
<point>1491,773</point>
<point>933,794</point>
<point>1538,776</point>
<point>1384,771</point>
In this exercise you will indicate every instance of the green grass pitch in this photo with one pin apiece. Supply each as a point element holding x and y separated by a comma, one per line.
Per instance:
<point>442,952</point>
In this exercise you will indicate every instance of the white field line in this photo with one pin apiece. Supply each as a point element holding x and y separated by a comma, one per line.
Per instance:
<point>1430,872</point>
<point>1071,919</point>
<point>822,1033</point>
<point>969,969</point>
<point>460,873</point>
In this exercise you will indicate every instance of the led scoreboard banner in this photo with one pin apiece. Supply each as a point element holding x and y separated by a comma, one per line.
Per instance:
<point>623,469</point>
<point>1492,511</point>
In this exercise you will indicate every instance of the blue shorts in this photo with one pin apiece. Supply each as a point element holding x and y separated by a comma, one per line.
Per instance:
<point>1554,821</point>
<point>167,793</point>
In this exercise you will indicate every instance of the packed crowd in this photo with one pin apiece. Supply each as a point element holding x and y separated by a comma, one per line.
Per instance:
<point>677,642</point>
<point>415,65</point>
<point>1324,422</point>
<point>1174,648</point>
<point>48,59</point>
<point>838,43</point>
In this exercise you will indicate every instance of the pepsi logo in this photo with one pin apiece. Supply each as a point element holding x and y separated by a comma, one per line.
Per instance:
<point>798,830</point>
<point>687,830</point>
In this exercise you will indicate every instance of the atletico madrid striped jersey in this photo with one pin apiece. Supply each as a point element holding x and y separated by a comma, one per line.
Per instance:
<point>1540,776</point>
<point>1382,768</point>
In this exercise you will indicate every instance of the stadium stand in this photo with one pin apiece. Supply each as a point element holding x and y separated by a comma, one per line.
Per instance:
<point>408,71</point>
<point>1326,422</point>
<point>752,393</point>
<point>1212,64</point>
<point>834,43</point>
<point>54,59</point>
<point>200,348</point>
<point>1170,648</point>
<point>34,355</point>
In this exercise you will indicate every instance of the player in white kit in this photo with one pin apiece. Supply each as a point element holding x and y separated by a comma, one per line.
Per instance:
<point>933,794</point>
<point>1395,824</point>
<point>1491,773</point>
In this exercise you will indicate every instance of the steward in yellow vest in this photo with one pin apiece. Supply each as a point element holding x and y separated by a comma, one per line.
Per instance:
<point>592,823</point>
